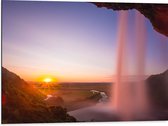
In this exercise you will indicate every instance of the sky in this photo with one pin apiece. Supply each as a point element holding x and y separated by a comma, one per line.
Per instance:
<point>71,41</point>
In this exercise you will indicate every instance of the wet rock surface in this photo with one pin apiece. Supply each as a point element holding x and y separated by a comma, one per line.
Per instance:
<point>157,88</point>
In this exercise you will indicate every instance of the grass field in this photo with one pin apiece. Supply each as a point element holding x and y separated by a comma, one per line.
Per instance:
<point>75,95</point>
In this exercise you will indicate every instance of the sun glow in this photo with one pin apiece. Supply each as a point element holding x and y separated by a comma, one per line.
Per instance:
<point>47,80</point>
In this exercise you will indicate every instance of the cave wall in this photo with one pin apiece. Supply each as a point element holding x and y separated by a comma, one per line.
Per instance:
<point>156,13</point>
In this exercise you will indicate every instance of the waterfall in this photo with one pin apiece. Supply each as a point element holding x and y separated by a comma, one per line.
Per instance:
<point>129,97</point>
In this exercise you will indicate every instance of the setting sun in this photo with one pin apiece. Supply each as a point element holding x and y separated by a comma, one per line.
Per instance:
<point>47,80</point>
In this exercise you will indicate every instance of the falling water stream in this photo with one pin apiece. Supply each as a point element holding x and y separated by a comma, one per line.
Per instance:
<point>129,98</point>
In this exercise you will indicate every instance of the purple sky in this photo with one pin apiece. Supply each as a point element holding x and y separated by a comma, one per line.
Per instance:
<point>71,41</point>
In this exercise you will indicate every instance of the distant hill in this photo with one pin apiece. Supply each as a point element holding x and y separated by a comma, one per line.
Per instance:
<point>23,103</point>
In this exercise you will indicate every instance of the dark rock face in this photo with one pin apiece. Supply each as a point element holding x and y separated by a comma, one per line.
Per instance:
<point>55,101</point>
<point>17,92</point>
<point>157,87</point>
<point>156,13</point>
<point>23,103</point>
